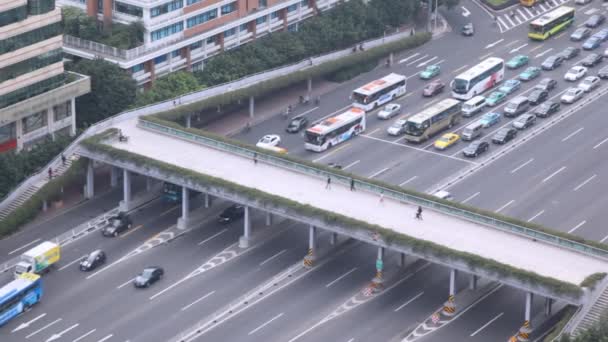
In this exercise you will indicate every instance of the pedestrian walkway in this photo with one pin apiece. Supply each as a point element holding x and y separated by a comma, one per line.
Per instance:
<point>522,14</point>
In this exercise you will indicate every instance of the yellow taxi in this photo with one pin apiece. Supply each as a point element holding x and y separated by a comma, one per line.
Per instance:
<point>446,141</point>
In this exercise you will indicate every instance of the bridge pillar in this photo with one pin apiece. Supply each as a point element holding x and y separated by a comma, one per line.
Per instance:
<point>473,282</point>
<point>449,308</point>
<point>333,238</point>
<point>114,176</point>
<point>90,186</point>
<point>149,183</point>
<point>309,87</point>
<point>391,57</point>
<point>548,306</point>
<point>188,120</point>
<point>182,222</point>
<point>207,200</point>
<point>251,107</point>
<point>401,259</point>
<point>310,257</point>
<point>244,240</point>
<point>526,329</point>
<point>268,219</point>
<point>126,190</point>
<point>379,278</point>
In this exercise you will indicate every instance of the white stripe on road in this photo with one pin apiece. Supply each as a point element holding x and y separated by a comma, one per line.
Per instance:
<point>604,239</point>
<point>470,197</point>
<point>521,13</point>
<point>407,181</point>
<point>265,324</point>
<point>22,247</point>
<point>341,277</point>
<point>106,338</point>
<point>213,236</point>
<point>486,325</point>
<point>71,263</point>
<point>308,111</point>
<point>198,300</point>
<point>529,12</point>
<point>572,134</point>
<point>503,23</point>
<point>409,301</point>
<point>125,283</point>
<point>408,58</point>
<point>462,67</point>
<point>512,43</point>
<point>522,165</point>
<point>577,227</point>
<point>509,19</point>
<point>59,334</point>
<point>504,206</point>
<point>272,257</point>
<point>537,215</point>
<point>351,340</point>
<point>374,131</point>
<point>601,142</point>
<point>377,173</point>
<point>554,173</point>
<point>27,324</point>
<point>44,327</point>
<point>585,182</point>
<point>485,56</point>
<point>351,164</point>
<point>85,335</point>
<point>417,60</point>
<point>331,153</point>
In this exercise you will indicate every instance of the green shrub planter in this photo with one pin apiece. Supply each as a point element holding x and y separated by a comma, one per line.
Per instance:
<point>567,314</point>
<point>592,280</point>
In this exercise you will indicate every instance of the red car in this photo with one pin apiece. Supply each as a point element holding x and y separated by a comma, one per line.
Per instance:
<point>433,88</point>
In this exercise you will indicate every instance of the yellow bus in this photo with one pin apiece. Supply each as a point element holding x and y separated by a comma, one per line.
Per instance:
<point>551,23</point>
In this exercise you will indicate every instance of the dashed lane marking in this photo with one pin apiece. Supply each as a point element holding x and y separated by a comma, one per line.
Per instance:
<point>577,227</point>
<point>585,182</point>
<point>504,206</point>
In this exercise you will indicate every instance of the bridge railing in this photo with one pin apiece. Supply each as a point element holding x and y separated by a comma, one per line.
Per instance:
<point>386,192</point>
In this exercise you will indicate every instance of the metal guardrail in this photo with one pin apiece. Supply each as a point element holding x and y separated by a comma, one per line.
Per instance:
<point>396,195</point>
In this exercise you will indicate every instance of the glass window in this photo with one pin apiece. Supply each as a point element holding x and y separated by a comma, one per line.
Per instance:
<point>37,7</point>
<point>231,7</point>
<point>7,132</point>
<point>201,18</point>
<point>175,53</point>
<point>304,3</point>
<point>160,59</point>
<point>263,3</point>
<point>31,64</point>
<point>293,27</point>
<point>34,121</point>
<point>62,111</point>
<point>196,45</point>
<point>167,31</point>
<point>212,40</point>
<point>137,68</point>
<point>190,2</point>
<point>129,9</point>
<point>13,15</point>
<point>29,38</point>
<point>260,20</point>
<point>274,15</point>
<point>229,33</point>
<point>166,8</point>
<point>244,27</point>
<point>32,90</point>
<point>292,8</point>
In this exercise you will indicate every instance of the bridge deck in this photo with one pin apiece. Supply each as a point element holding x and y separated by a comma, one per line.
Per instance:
<point>453,232</point>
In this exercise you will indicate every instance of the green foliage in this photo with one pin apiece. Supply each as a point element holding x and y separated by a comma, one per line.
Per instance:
<point>567,314</point>
<point>351,72</point>
<point>167,87</point>
<point>597,333</point>
<point>593,279</point>
<point>112,91</point>
<point>76,23</point>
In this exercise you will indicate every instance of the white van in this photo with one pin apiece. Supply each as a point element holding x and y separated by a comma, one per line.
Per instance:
<point>472,131</point>
<point>443,195</point>
<point>472,106</point>
<point>516,106</point>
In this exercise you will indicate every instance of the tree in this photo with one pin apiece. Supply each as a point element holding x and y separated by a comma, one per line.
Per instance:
<point>596,333</point>
<point>112,91</point>
<point>167,87</point>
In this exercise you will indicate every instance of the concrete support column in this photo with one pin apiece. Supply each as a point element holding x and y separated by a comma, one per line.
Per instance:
<point>268,219</point>
<point>207,200</point>
<point>149,183</point>
<point>90,186</point>
<point>333,238</point>
<point>401,259</point>
<point>188,120</point>
<point>309,86</point>
<point>449,308</point>
<point>114,176</point>
<point>19,133</point>
<point>244,240</point>
<point>49,122</point>
<point>73,113</point>
<point>126,188</point>
<point>529,299</point>
<point>310,257</point>
<point>379,278</point>
<point>453,275</point>
<point>548,306</point>
<point>182,222</point>
<point>473,282</point>
<point>251,106</point>
<point>526,329</point>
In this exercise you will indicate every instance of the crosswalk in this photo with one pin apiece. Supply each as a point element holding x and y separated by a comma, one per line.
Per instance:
<point>524,14</point>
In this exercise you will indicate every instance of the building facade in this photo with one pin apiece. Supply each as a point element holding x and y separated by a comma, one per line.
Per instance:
<point>181,34</point>
<point>36,94</point>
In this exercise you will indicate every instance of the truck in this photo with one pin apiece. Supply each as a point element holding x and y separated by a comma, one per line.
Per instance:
<point>38,259</point>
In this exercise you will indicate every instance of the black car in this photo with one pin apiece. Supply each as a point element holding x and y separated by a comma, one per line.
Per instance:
<point>296,124</point>
<point>592,60</point>
<point>570,52</point>
<point>603,73</point>
<point>117,224</point>
<point>335,166</point>
<point>538,96</point>
<point>232,213</point>
<point>91,261</point>
<point>476,148</point>
<point>595,20</point>
<point>468,30</point>
<point>547,109</point>
<point>504,135</point>
<point>580,34</point>
<point>148,276</point>
<point>546,84</point>
<point>552,62</point>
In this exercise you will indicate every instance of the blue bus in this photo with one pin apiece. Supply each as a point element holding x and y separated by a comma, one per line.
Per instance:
<point>19,295</point>
<point>173,193</point>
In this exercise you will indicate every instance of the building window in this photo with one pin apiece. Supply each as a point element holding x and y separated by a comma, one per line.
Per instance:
<point>31,64</point>
<point>29,38</point>
<point>135,11</point>
<point>175,53</point>
<point>62,111</point>
<point>274,15</point>
<point>190,2</point>
<point>244,27</point>
<point>37,7</point>
<point>292,8</point>
<point>260,20</point>
<point>8,132</point>
<point>304,3</point>
<point>229,33</point>
<point>263,3</point>
<point>160,59</point>
<point>34,121</point>
<point>231,7</point>
<point>13,15</point>
<point>201,18</point>
<point>166,8</point>
<point>293,27</point>
<point>196,45</point>
<point>212,40</point>
<point>137,68</point>
<point>197,66</point>
<point>167,31</point>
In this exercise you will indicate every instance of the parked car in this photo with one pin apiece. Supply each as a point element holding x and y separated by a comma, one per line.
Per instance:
<point>546,84</point>
<point>335,165</point>
<point>297,124</point>
<point>446,141</point>
<point>148,276</point>
<point>517,61</point>
<point>538,96</point>
<point>524,121</point>
<point>580,34</point>
<point>603,73</point>
<point>582,2</point>
<point>397,128</point>
<point>589,83</point>
<point>269,140</point>
<point>570,52</point>
<point>547,109</point>
<point>602,35</point>
<point>595,20</point>
<point>504,135</point>
<point>529,74</point>
<point>91,261</point>
<point>490,119</point>
<point>389,111</point>
<point>433,88</point>
<point>476,148</point>
<point>575,73</point>
<point>510,86</point>
<point>468,30</point>
<point>117,224</point>
<point>495,98</point>
<point>592,43</point>
<point>572,95</point>
<point>232,213</point>
<point>430,72</point>
<point>552,62</point>
<point>592,60</point>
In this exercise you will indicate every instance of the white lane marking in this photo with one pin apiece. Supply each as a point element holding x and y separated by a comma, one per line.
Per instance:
<point>462,67</point>
<point>417,60</point>
<point>351,340</point>
<point>504,206</point>
<point>503,24</point>
<point>491,45</point>
<point>537,215</point>
<point>351,164</point>
<point>44,327</point>
<point>426,62</point>
<point>106,338</point>
<point>377,173</point>
<point>543,7</point>
<point>331,152</point>
<point>529,12</point>
<point>554,173</point>
<point>441,61</point>
<point>27,324</point>
<point>409,301</point>
<point>572,134</point>
<point>544,53</point>
<point>604,239</point>
<point>522,165</point>
<point>125,283</point>
<point>585,182</point>
<point>308,111</point>
<point>512,43</point>
<point>72,263</point>
<point>511,21</point>
<point>536,48</point>
<point>213,236</point>
<point>265,324</point>
<point>169,210</point>
<point>374,131</point>
<point>470,197</point>
<point>198,300</point>
<point>22,247</point>
<point>601,142</point>
<point>272,257</point>
<point>408,58</point>
<point>518,48</point>
<point>465,11</point>
<point>485,56</point>
<point>341,277</point>
<point>577,227</point>
<point>521,13</point>
<point>58,335</point>
<point>85,335</point>
<point>407,181</point>
<point>486,325</point>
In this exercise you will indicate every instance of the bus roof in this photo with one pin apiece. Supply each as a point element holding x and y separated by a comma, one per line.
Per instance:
<point>334,122</point>
<point>382,83</point>
<point>548,17</point>
<point>479,68</point>
<point>17,285</point>
<point>40,249</point>
<point>433,110</point>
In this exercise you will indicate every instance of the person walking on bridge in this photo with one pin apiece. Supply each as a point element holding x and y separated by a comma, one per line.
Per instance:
<point>352,184</point>
<point>419,213</point>
<point>328,185</point>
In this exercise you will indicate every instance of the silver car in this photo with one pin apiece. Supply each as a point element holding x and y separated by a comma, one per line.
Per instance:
<point>389,111</point>
<point>572,95</point>
<point>397,128</point>
<point>524,121</point>
<point>589,83</point>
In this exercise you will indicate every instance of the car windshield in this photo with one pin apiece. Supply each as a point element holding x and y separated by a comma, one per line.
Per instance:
<point>266,140</point>
<point>444,139</point>
<point>115,222</point>
<point>574,71</point>
<point>415,129</point>
<point>474,144</point>
<point>571,92</point>
<point>460,86</point>
<point>91,257</point>
<point>399,123</point>
<point>147,273</point>
<point>295,122</point>
<point>587,82</point>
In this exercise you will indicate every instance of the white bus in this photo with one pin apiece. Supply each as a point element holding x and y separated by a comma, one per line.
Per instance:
<point>478,79</point>
<point>379,92</point>
<point>432,120</point>
<point>335,130</point>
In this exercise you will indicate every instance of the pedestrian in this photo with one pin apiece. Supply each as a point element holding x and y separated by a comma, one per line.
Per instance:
<point>382,196</point>
<point>255,158</point>
<point>352,184</point>
<point>328,185</point>
<point>419,213</point>
<point>174,103</point>
<point>62,159</point>
<point>50,173</point>
<point>412,32</point>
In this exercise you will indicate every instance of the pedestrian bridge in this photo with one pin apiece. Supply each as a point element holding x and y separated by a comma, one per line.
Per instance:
<point>517,256</point>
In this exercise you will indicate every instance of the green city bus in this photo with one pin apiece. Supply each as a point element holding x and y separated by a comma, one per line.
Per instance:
<point>551,23</point>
